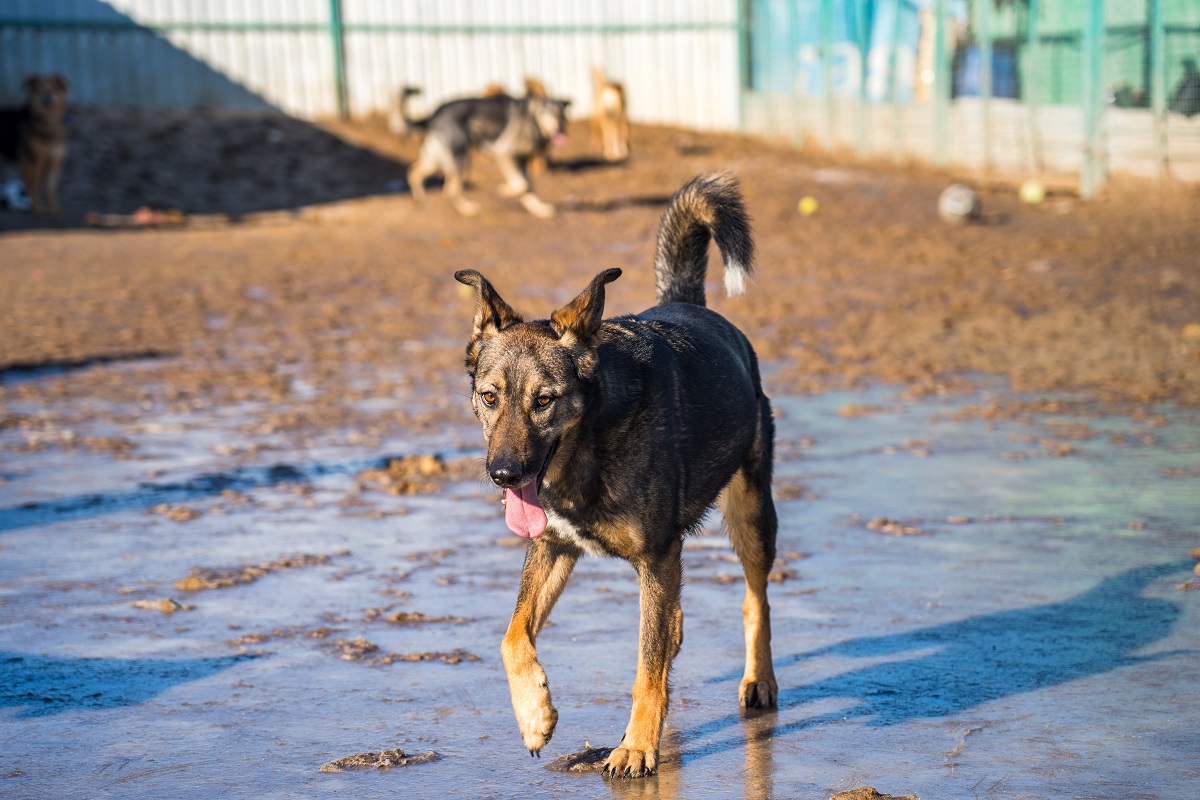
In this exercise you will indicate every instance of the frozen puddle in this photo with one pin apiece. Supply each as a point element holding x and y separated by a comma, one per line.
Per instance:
<point>969,605</point>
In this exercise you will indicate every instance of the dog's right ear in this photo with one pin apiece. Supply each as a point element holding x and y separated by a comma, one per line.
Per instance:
<point>491,312</point>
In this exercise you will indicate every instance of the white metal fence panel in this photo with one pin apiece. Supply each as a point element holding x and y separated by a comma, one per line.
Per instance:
<point>677,58</point>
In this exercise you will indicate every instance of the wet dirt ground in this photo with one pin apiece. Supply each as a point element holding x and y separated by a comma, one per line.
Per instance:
<point>213,583</point>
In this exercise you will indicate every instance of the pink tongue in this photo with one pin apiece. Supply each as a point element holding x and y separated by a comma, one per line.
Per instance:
<point>558,139</point>
<point>523,511</point>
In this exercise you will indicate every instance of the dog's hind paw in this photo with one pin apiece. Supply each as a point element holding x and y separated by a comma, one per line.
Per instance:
<point>758,693</point>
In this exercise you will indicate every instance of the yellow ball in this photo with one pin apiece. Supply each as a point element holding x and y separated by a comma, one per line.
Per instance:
<point>1032,192</point>
<point>807,206</point>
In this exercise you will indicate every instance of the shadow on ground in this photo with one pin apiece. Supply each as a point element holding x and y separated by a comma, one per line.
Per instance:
<point>960,665</point>
<point>45,685</point>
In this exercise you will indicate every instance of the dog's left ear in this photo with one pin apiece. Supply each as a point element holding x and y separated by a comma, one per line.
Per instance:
<point>59,82</point>
<point>578,322</point>
<point>491,312</point>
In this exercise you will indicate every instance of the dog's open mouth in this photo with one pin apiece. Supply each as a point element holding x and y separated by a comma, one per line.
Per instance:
<point>523,512</point>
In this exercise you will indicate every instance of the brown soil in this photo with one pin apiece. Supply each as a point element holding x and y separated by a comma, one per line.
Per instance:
<point>270,291</point>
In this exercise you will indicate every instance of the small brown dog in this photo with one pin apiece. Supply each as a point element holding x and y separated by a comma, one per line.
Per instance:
<point>34,137</point>
<point>609,123</point>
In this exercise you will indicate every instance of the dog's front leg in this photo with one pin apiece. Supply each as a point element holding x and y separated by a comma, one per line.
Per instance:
<point>660,634</point>
<point>548,565</point>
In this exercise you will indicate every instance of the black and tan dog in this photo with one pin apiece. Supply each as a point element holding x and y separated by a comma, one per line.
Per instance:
<point>512,130</point>
<point>614,437</point>
<point>34,136</point>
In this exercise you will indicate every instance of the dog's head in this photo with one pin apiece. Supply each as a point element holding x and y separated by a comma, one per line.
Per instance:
<point>551,117</point>
<point>531,383</point>
<point>46,95</point>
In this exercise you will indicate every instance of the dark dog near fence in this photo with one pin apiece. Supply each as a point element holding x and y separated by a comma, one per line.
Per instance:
<point>512,130</point>
<point>615,437</point>
<point>34,136</point>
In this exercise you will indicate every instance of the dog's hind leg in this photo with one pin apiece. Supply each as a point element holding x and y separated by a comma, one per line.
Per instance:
<point>548,565</point>
<point>659,636</point>
<point>418,173</point>
<point>749,514</point>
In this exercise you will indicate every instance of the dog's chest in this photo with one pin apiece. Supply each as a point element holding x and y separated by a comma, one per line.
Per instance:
<point>565,529</point>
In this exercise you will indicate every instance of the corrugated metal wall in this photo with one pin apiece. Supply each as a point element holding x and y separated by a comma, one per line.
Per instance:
<point>285,53</point>
<point>677,58</point>
<point>1069,89</point>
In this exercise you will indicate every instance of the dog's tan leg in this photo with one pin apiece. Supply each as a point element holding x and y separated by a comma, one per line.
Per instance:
<point>622,149</point>
<point>33,175</point>
<point>53,173</point>
<point>418,173</point>
<point>660,634</point>
<point>454,188</point>
<point>537,206</point>
<point>515,181</point>
<point>750,516</point>
<point>547,567</point>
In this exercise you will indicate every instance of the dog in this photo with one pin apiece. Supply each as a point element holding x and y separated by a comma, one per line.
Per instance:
<point>34,136</point>
<point>614,438</point>
<point>512,130</point>
<point>610,125</point>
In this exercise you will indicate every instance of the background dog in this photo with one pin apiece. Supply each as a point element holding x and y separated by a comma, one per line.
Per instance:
<point>610,125</point>
<point>512,130</point>
<point>615,437</point>
<point>34,136</point>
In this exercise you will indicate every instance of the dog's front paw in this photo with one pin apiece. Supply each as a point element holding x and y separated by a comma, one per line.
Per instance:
<point>536,206</point>
<point>536,715</point>
<point>758,693</point>
<point>630,762</point>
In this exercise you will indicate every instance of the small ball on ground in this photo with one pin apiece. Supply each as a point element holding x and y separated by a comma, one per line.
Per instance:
<point>1032,191</point>
<point>807,206</point>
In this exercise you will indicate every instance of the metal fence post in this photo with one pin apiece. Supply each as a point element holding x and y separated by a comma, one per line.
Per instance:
<point>1093,102</point>
<point>337,31</point>
<point>941,85</point>
<point>743,46</point>
<point>827,68</point>
<point>1032,70</point>
<point>985,79</point>
<point>894,75</point>
<point>863,37</point>
<point>1158,87</point>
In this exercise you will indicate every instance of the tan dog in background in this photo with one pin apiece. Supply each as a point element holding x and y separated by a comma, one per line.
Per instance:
<point>609,122</point>
<point>34,136</point>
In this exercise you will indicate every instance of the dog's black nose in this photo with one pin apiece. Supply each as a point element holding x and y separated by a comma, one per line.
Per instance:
<point>505,474</point>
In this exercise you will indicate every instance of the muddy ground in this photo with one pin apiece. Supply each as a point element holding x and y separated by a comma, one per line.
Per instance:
<point>245,549</point>
<point>308,274</point>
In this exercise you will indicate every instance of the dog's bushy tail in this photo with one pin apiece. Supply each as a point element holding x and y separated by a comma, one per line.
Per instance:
<point>411,122</point>
<point>708,206</point>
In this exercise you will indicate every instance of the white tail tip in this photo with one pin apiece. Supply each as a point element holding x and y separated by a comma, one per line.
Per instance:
<point>735,279</point>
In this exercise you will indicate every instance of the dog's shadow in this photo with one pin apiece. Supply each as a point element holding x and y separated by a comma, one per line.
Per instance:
<point>961,665</point>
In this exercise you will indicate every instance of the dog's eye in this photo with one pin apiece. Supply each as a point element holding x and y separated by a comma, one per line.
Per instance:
<point>544,400</point>
<point>489,398</point>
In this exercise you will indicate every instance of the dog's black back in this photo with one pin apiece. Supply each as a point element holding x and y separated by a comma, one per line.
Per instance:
<point>677,395</point>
